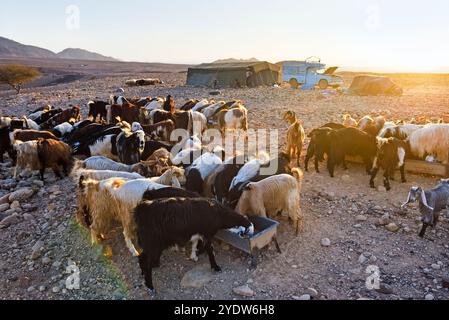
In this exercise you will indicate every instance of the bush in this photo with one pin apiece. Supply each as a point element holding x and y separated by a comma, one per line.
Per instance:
<point>15,75</point>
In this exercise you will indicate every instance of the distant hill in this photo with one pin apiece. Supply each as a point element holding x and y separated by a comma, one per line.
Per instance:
<point>81,54</point>
<point>232,60</point>
<point>13,49</point>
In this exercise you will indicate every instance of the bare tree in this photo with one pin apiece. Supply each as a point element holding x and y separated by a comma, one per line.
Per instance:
<point>15,75</point>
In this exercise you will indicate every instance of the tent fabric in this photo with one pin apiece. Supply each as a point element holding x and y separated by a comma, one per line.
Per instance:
<point>374,85</point>
<point>249,74</point>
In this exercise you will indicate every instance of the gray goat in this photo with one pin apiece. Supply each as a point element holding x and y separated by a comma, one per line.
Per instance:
<point>431,203</point>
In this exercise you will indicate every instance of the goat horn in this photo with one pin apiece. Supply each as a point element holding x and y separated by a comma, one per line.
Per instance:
<point>408,200</point>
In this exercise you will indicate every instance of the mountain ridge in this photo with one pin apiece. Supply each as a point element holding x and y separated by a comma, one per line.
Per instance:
<point>13,49</point>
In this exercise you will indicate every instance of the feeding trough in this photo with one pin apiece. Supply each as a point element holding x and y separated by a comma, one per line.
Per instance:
<point>265,231</point>
<point>416,166</point>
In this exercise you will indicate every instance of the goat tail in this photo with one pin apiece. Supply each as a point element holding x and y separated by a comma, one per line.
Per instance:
<point>298,174</point>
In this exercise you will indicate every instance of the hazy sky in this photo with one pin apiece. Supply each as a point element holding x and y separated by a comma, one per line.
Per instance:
<point>395,35</point>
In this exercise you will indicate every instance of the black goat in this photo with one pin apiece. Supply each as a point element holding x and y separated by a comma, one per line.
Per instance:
<point>352,142</point>
<point>167,222</point>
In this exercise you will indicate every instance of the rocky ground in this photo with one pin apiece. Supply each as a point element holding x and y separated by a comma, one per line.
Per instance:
<point>348,227</point>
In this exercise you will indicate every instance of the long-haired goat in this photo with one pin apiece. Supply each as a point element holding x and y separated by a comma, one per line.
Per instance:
<point>26,157</point>
<point>54,154</point>
<point>431,140</point>
<point>273,195</point>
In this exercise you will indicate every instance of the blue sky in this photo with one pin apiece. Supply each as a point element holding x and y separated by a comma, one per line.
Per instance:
<point>385,35</point>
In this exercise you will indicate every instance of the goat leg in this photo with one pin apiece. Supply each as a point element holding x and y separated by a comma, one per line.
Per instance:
<point>330,167</point>
<point>210,252</point>
<point>317,169</point>
<point>306,163</point>
<point>142,259</point>
<point>387,181</point>
<point>42,172</point>
<point>298,154</point>
<point>373,176</point>
<point>402,169</point>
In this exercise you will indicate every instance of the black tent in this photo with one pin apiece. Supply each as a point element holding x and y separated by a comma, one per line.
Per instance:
<point>234,74</point>
<point>373,86</point>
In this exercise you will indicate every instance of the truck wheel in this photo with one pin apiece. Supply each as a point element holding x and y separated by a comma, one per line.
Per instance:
<point>323,84</point>
<point>294,83</point>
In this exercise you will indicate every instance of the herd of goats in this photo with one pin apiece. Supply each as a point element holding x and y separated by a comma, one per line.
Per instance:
<point>167,193</point>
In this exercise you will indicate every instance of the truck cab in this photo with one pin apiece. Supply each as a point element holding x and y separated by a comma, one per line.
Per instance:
<point>310,73</point>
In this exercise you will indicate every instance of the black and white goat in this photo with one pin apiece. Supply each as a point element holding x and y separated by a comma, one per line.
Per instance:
<point>390,156</point>
<point>97,108</point>
<point>201,168</point>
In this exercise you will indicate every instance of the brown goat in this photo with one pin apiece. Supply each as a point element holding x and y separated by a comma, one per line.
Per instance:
<point>295,136</point>
<point>53,154</point>
<point>29,135</point>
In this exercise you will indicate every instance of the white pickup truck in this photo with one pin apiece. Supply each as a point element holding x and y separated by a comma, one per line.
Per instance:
<point>310,73</point>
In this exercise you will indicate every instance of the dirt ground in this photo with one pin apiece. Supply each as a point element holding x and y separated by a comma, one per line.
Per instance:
<point>343,210</point>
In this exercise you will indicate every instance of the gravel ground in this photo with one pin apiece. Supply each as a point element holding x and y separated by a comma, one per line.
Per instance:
<point>348,225</point>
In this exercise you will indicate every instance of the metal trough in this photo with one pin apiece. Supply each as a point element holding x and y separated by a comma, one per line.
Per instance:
<point>265,233</point>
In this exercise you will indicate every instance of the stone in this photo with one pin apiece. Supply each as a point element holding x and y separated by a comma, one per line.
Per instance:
<point>28,217</point>
<point>21,194</point>
<point>361,218</point>
<point>325,242</point>
<point>304,297</point>
<point>330,196</point>
<point>31,289</point>
<point>445,282</point>
<point>5,199</point>
<point>55,289</point>
<point>244,291</point>
<point>362,259</point>
<point>10,220</point>
<point>385,220</point>
<point>38,183</point>
<point>381,189</point>
<point>429,297</point>
<point>42,288</point>
<point>46,260</point>
<point>436,266</point>
<point>197,277</point>
<point>346,178</point>
<point>385,289</point>
<point>10,212</point>
<point>392,227</point>
<point>36,251</point>
<point>4,207</point>
<point>15,205</point>
<point>312,292</point>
